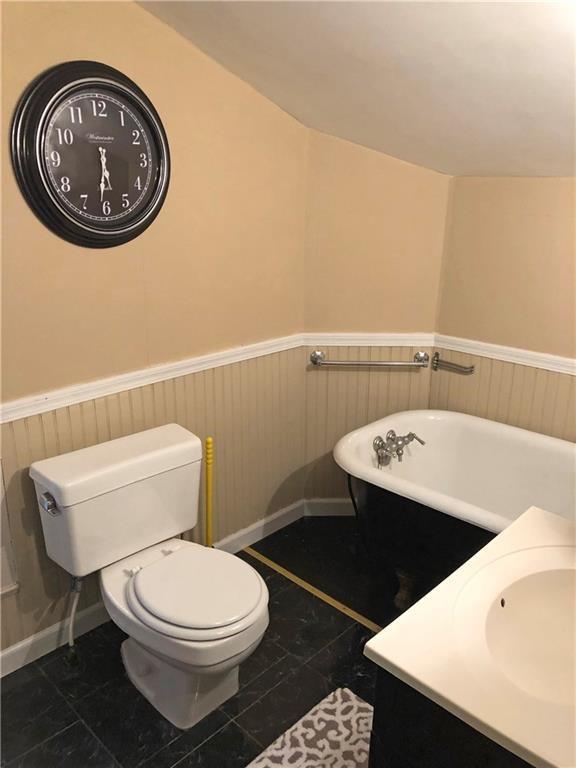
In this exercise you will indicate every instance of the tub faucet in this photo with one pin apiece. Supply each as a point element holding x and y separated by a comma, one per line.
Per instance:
<point>393,446</point>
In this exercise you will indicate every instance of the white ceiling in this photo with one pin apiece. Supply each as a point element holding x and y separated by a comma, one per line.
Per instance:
<point>466,88</point>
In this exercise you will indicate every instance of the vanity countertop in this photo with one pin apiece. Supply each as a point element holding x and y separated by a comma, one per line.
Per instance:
<point>495,642</point>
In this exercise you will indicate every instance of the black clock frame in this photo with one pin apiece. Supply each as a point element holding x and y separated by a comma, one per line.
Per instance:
<point>31,115</point>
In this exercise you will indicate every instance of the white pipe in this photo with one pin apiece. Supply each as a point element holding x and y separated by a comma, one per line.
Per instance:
<point>76,589</point>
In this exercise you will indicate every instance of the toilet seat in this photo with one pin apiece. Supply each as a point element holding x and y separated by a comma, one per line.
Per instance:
<point>201,648</point>
<point>196,593</point>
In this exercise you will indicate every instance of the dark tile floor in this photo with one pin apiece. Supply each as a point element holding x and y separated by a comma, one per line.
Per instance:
<point>78,710</point>
<point>328,553</point>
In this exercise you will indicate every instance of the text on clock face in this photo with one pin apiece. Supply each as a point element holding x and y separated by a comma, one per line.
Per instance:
<point>98,158</point>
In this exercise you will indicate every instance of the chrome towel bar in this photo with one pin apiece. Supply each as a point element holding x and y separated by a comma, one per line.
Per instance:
<point>421,360</point>
<point>446,365</point>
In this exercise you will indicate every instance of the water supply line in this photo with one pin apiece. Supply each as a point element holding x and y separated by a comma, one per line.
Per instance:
<point>209,474</point>
<point>75,590</point>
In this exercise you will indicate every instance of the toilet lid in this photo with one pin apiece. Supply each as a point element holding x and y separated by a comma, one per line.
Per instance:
<point>198,587</point>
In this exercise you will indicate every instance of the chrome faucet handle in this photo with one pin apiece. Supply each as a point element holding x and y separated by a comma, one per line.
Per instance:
<point>391,435</point>
<point>413,436</point>
<point>378,443</point>
<point>384,455</point>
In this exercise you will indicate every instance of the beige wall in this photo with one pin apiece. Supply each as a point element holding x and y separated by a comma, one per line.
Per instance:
<point>374,240</point>
<point>509,273</point>
<point>225,251</point>
<point>268,229</point>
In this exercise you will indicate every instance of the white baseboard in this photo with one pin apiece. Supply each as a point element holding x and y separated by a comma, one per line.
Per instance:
<point>262,528</point>
<point>35,646</point>
<point>267,525</point>
<point>53,637</point>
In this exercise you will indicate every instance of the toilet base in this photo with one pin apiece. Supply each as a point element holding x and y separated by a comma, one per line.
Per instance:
<point>182,696</point>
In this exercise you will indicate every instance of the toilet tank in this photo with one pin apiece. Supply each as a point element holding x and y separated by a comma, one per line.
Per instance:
<point>103,503</point>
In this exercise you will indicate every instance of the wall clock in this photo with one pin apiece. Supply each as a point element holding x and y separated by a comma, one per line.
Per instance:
<point>90,154</point>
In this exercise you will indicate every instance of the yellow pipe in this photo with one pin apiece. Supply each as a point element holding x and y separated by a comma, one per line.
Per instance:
<point>208,468</point>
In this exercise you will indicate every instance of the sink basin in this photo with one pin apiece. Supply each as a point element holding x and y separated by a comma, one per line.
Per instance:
<point>495,642</point>
<point>530,634</point>
<point>518,616</point>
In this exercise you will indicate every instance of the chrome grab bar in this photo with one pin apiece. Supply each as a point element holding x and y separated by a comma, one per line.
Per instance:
<point>446,365</point>
<point>421,360</point>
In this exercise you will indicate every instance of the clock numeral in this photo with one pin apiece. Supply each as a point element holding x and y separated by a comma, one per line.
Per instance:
<point>125,200</point>
<point>75,114</point>
<point>121,113</point>
<point>65,184</point>
<point>98,108</point>
<point>138,184</point>
<point>55,158</point>
<point>143,160</point>
<point>84,198</point>
<point>135,137</point>
<point>65,136</point>
<point>106,208</point>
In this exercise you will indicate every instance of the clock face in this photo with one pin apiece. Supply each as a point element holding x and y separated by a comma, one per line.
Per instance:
<point>90,154</point>
<point>99,158</point>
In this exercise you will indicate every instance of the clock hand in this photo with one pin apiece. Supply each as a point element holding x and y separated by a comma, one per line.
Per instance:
<point>102,166</point>
<point>105,177</point>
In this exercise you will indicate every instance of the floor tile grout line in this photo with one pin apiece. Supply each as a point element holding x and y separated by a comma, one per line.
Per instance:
<point>180,735</point>
<point>114,758</point>
<point>40,743</point>
<point>42,714</point>
<point>300,666</point>
<point>251,736</point>
<point>105,748</point>
<point>271,666</point>
<point>339,606</point>
<point>328,644</point>
<point>265,746</point>
<point>256,701</point>
<point>96,689</point>
<point>225,725</point>
<point>82,720</point>
<point>259,699</point>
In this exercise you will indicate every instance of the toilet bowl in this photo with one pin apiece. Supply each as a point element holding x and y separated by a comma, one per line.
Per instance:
<point>192,614</point>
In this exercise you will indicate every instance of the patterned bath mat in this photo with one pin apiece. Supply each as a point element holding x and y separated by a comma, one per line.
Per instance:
<point>335,734</point>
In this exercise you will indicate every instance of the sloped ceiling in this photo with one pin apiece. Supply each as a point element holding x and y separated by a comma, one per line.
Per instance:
<point>466,88</point>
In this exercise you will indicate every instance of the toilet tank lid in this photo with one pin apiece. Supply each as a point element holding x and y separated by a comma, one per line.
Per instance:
<point>89,472</point>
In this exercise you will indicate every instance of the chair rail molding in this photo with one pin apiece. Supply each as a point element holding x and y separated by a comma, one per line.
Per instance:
<point>78,393</point>
<point>515,355</point>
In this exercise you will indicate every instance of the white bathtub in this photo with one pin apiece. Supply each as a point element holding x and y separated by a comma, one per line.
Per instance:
<point>480,471</point>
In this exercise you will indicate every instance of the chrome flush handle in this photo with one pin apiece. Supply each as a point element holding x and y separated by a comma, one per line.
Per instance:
<point>48,504</point>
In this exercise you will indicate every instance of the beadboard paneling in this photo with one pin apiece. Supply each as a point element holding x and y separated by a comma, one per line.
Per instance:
<point>275,420</point>
<point>522,396</point>
<point>339,400</point>
<point>253,409</point>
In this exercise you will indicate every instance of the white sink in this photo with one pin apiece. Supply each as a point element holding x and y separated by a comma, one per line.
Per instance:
<point>495,643</point>
<point>518,615</point>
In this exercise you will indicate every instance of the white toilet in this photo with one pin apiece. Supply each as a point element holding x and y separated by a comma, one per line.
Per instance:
<point>192,614</point>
